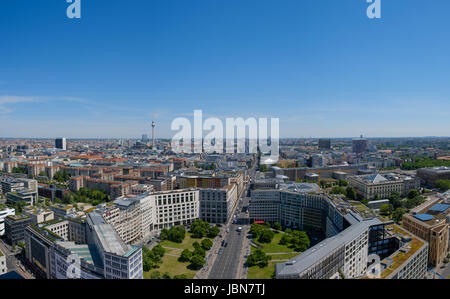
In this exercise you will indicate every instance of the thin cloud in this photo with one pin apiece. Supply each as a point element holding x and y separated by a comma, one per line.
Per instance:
<point>8,100</point>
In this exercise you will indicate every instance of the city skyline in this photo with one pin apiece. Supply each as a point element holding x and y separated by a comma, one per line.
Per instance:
<point>324,69</point>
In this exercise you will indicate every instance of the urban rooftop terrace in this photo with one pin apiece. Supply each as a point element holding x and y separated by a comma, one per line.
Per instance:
<point>404,253</point>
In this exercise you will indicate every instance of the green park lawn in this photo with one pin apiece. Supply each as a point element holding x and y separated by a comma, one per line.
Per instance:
<point>274,246</point>
<point>268,272</point>
<point>171,265</point>
<point>186,244</point>
<point>256,272</point>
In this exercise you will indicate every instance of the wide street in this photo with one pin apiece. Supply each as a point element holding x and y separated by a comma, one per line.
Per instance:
<point>229,260</point>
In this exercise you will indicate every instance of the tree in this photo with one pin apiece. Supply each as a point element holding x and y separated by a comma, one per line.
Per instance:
<point>443,185</point>
<point>177,234</point>
<point>20,170</point>
<point>61,176</point>
<point>164,235</point>
<point>213,232</point>
<point>276,226</point>
<point>414,202</point>
<point>180,276</point>
<point>199,251</point>
<point>413,193</point>
<point>197,262</point>
<point>199,228</point>
<point>385,209</point>
<point>256,230</point>
<point>351,193</point>
<point>185,256</point>
<point>258,258</point>
<point>266,236</point>
<point>158,250</point>
<point>147,264</point>
<point>394,196</point>
<point>398,214</point>
<point>207,244</point>
<point>338,190</point>
<point>166,275</point>
<point>148,259</point>
<point>196,245</point>
<point>285,239</point>
<point>343,183</point>
<point>300,241</point>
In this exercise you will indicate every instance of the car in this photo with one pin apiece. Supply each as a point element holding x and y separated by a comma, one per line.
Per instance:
<point>228,230</point>
<point>220,251</point>
<point>223,242</point>
<point>225,245</point>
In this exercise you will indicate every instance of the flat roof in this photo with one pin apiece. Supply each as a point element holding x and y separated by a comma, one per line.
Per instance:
<point>108,237</point>
<point>440,207</point>
<point>424,217</point>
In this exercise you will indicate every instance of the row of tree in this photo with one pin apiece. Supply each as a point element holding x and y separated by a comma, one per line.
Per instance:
<point>200,229</point>
<point>61,176</point>
<point>262,233</point>
<point>86,195</point>
<point>397,206</point>
<point>258,258</point>
<point>349,192</point>
<point>443,185</point>
<point>329,184</point>
<point>424,162</point>
<point>175,234</point>
<point>298,240</point>
<point>196,257</point>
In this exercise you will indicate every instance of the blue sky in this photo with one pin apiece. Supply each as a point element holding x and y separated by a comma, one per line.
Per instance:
<point>322,67</point>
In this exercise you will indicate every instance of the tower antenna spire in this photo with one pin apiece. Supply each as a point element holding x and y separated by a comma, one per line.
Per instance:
<point>153,134</point>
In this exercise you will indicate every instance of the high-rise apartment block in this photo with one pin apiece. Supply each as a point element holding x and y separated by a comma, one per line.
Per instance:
<point>60,143</point>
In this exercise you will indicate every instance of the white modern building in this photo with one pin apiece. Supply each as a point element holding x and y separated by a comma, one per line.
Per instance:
<point>71,248</point>
<point>140,217</point>
<point>4,212</point>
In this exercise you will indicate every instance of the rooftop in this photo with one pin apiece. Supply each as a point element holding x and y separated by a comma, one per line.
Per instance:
<point>108,237</point>
<point>399,257</point>
<point>316,253</point>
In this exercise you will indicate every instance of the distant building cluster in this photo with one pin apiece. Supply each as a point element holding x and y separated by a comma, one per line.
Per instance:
<point>96,203</point>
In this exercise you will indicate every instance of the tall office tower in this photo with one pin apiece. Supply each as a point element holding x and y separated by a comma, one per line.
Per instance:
<point>325,144</point>
<point>359,145</point>
<point>60,143</point>
<point>144,138</point>
<point>153,134</point>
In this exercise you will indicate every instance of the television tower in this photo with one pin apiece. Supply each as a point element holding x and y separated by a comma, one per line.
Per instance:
<point>153,134</point>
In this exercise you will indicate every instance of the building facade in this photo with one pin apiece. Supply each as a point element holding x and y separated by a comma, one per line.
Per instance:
<point>369,186</point>
<point>429,222</point>
<point>216,205</point>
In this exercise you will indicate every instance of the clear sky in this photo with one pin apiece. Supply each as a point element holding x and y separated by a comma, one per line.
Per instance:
<point>322,67</point>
